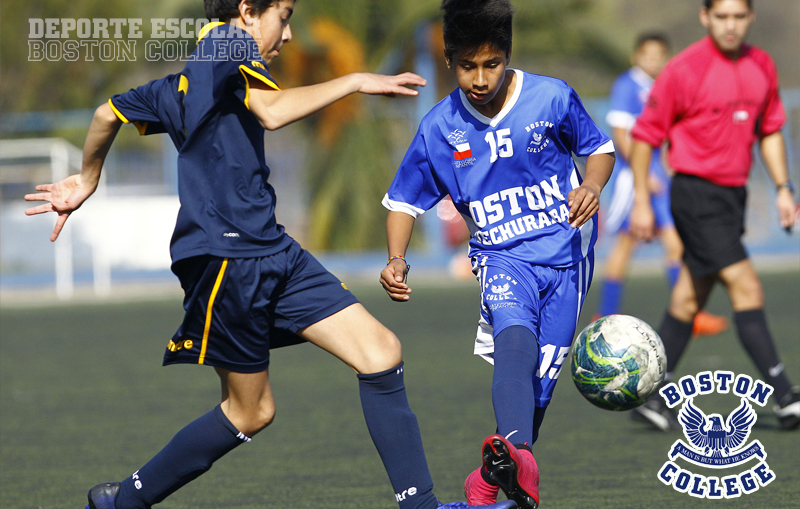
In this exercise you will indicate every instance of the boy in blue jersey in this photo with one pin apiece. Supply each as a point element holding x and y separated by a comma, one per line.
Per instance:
<point>248,286</point>
<point>628,96</point>
<point>501,146</point>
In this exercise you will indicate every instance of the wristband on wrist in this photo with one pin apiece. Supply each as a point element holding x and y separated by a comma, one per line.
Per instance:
<point>788,185</point>
<point>397,257</point>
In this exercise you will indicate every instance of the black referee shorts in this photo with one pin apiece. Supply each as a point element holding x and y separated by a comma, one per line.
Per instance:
<point>710,221</point>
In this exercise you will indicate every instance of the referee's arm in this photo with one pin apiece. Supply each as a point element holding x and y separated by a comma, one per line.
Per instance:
<point>773,150</point>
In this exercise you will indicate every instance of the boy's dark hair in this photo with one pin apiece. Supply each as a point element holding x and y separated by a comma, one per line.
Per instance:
<point>708,3</point>
<point>651,36</point>
<point>224,10</point>
<point>469,24</point>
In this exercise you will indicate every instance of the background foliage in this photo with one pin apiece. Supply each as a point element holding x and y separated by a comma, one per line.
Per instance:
<point>356,146</point>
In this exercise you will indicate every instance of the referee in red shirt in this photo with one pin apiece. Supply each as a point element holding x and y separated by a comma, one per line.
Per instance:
<point>712,102</point>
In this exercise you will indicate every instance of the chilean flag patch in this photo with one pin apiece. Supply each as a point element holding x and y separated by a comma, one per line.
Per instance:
<point>462,151</point>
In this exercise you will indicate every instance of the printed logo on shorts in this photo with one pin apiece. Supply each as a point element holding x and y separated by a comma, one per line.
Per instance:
<point>714,443</point>
<point>499,288</point>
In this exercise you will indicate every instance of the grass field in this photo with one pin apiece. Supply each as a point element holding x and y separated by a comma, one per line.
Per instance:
<point>83,399</point>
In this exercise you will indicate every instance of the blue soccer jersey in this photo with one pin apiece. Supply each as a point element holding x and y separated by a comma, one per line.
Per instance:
<point>629,94</point>
<point>628,97</point>
<point>509,176</point>
<point>227,204</point>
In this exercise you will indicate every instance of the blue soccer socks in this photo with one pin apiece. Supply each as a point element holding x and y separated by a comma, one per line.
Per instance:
<point>610,297</point>
<point>516,357</point>
<point>672,274</point>
<point>395,432</point>
<point>189,454</point>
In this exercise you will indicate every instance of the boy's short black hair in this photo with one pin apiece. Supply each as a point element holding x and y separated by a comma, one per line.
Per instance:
<point>469,24</point>
<point>651,36</point>
<point>708,3</point>
<point>224,10</point>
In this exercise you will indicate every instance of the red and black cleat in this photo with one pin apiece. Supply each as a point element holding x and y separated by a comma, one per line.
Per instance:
<point>513,469</point>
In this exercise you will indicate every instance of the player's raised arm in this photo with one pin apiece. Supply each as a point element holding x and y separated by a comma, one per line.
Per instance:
<point>277,108</point>
<point>399,227</point>
<point>643,220</point>
<point>68,195</point>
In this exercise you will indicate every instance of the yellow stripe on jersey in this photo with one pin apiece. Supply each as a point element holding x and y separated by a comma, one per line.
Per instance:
<point>141,127</point>
<point>245,71</point>
<point>210,311</point>
<point>117,113</point>
<point>206,29</point>
<point>183,84</point>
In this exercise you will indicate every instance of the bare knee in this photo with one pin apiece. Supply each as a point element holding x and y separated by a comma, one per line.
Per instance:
<point>744,287</point>
<point>385,352</point>
<point>746,294</point>
<point>683,307</point>
<point>683,304</point>
<point>263,417</point>
<point>250,420</point>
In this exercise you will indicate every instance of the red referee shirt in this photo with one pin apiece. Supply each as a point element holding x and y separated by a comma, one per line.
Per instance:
<point>712,109</point>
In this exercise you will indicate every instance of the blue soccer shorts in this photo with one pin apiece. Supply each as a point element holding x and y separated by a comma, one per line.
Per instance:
<point>618,214</point>
<point>546,300</point>
<point>239,308</point>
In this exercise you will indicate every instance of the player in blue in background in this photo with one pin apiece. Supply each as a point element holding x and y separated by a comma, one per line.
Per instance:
<point>628,96</point>
<point>501,146</point>
<point>248,286</point>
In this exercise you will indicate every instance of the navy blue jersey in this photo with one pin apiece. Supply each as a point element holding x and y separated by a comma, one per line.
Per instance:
<point>509,176</point>
<point>227,204</point>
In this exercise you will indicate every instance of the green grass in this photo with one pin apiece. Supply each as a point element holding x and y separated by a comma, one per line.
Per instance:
<point>83,399</point>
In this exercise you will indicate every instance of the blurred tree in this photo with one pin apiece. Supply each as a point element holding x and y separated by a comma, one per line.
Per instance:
<point>356,150</point>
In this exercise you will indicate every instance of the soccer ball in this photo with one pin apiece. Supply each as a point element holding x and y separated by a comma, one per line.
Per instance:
<point>618,362</point>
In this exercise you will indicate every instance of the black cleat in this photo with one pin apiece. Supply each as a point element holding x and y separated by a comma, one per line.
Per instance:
<point>788,410</point>
<point>657,414</point>
<point>103,496</point>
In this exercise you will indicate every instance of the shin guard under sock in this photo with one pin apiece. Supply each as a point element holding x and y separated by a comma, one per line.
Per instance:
<point>190,453</point>
<point>757,341</point>
<point>395,432</point>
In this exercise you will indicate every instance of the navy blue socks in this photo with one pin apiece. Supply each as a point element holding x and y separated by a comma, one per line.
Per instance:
<point>395,432</point>
<point>189,454</point>
<point>516,357</point>
<point>757,341</point>
<point>676,335</point>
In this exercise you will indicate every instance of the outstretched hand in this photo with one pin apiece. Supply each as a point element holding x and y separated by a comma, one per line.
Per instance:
<point>63,198</point>
<point>392,279</point>
<point>379,84</point>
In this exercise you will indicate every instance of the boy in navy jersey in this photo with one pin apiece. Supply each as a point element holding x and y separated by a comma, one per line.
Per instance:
<point>501,146</point>
<point>249,286</point>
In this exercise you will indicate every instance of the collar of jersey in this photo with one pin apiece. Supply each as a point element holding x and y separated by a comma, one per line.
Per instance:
<point>206,29</point>
<point>506,109</point>
<point>643,79</point>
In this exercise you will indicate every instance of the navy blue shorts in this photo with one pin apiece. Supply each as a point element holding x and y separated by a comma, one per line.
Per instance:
<point>239,308</point>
